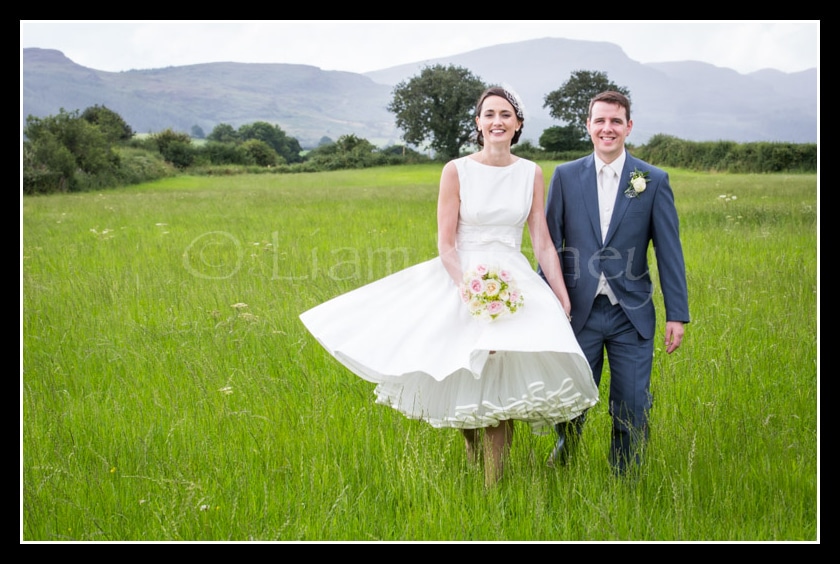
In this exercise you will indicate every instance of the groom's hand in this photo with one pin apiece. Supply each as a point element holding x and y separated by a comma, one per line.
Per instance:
<point>674,331</point>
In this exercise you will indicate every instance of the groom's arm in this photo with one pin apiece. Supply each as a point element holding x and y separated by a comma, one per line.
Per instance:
<point>554,209</point>
<point>669,252</point>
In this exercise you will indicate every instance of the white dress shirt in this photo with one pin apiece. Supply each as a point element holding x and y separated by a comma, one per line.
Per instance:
<point>608,175</point>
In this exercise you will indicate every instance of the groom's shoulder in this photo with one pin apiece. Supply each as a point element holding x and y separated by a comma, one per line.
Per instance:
<point>653,170</point>
<point>577,163</point>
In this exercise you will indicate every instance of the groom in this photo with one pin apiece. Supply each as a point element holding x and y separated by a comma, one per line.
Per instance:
<point>604,210</point>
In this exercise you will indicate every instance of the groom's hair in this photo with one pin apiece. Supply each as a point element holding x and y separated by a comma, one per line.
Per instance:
<point>611,97</point>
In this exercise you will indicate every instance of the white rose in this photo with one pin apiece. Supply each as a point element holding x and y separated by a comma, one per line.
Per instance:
<point>639,184</point>
<point>492,287</point>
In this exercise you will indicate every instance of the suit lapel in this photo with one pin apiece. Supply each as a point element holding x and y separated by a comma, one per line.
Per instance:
<point>622,202</point>
<point>589,183</point>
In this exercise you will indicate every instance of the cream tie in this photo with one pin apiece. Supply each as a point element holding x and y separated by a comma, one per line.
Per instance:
<point>608,180</point>
<point>606,202</point>
<point>607,197</point>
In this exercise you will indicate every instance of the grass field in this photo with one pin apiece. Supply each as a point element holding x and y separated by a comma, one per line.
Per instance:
<point>170,393</point>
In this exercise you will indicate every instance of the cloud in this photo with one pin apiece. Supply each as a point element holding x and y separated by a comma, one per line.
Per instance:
<point>368,45</point>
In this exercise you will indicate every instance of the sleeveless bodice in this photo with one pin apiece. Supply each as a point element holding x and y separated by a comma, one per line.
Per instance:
<point>495,202</point>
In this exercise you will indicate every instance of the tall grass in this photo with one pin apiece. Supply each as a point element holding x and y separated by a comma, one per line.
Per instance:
<point>170,393</point>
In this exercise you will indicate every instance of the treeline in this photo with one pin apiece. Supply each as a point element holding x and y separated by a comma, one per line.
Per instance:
<point>713,156</point>
<point>728,156</point>
<point>81,151</point>
<point>95,149</point>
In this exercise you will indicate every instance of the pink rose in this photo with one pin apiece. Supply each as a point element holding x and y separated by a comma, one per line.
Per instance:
<point>495,307</point>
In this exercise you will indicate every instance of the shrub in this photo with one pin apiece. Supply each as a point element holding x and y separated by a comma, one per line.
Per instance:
<point>728,156</point>
<point>260,153</point>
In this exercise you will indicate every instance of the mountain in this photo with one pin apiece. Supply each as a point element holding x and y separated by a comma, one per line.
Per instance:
<point>306,102</point>
<point>687,99</point>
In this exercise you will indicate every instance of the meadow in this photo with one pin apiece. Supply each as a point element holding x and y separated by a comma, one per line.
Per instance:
<point>169,391</point>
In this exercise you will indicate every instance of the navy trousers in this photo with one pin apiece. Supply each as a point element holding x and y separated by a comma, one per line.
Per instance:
<point>630,359</point>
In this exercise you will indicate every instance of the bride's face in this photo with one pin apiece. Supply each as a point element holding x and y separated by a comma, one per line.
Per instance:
<point>497,121</point>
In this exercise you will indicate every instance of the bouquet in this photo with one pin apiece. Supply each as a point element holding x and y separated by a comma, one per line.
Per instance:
<point>490,292</point>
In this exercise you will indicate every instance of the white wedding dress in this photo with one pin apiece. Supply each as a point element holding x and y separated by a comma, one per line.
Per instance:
<point>412,335</point>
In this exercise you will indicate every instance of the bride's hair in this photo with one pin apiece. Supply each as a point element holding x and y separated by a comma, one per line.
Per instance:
<point>510,96</point>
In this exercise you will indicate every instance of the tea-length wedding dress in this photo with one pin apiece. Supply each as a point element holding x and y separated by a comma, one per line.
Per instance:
<point>411,334</point>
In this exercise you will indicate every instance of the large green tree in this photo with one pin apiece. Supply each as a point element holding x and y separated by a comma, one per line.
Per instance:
<point>176,147</point>
<point>224,133</point>
<point>287,147</point>
<point>112,125</point>
<point>570,102</point>
<point>437,108</point>
<point>565,138</point>
<point>57,147</point>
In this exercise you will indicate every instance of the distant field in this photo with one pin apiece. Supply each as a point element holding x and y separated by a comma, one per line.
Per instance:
<point>170,393</point>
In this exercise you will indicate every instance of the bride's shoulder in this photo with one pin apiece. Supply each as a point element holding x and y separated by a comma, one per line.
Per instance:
<point>526,163</point>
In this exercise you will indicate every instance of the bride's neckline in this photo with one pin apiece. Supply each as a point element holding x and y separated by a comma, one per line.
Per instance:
<point>513,162</point>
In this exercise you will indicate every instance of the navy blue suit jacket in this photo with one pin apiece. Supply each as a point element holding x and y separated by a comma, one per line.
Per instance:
<point>574,222</point>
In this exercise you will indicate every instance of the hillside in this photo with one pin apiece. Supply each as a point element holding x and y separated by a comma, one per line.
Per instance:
<point>688,99</point>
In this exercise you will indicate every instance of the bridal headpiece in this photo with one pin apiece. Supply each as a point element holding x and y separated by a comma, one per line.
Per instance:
<point>515,101</point>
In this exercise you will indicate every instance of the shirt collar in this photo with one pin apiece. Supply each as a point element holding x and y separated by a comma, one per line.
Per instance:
<point>617,165</point>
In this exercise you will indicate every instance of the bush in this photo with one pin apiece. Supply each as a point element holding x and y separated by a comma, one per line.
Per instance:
<point>728,156</point>
<point>558,139</point>
<point>175,147</point>
<point>139,165</point>
<point>218,153</point>
<point>48,166</point>
<point>260,153</point>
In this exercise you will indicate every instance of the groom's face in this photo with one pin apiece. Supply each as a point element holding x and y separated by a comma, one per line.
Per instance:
<point>608,128</point>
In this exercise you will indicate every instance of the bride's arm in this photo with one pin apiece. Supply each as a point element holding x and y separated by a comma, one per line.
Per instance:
<point>449,204</point>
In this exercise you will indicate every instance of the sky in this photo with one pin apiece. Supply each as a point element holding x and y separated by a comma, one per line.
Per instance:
<point>362,46</point>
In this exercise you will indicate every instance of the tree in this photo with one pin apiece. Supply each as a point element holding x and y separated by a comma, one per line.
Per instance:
<point>348,151</point>
<point>224,133</point>
<point>566,138</point>
<point>112,125</point>
<point>351,144</point>
<point>196,132</point>
<point>570,102</point>
<point>48,166</point>
<point>222,153</point>
<point>58,150</point>
<point>260,152</point>
<point>287,147</point>
<point>89,146</point>
<point>176,147</point>
<point>437,107</point>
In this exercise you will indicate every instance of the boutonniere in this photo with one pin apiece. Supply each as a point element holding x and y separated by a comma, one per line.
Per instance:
<point>638,183</point>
